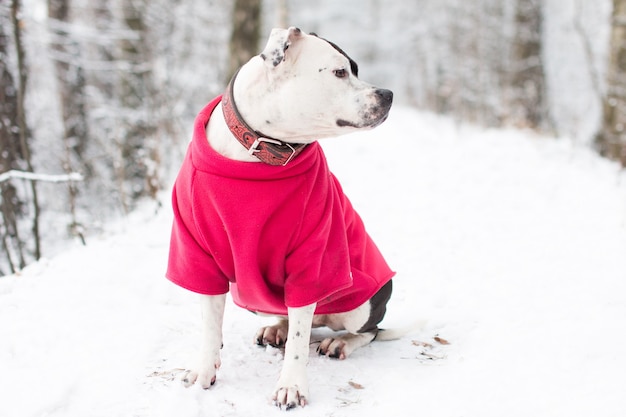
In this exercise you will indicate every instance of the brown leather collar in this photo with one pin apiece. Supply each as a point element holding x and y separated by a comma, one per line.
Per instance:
<point>267,149</point>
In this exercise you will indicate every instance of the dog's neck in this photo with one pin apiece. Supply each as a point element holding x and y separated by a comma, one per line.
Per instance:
<point>269,150</point>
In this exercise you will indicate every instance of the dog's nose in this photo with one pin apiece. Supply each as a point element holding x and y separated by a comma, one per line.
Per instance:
<point>386,96</point>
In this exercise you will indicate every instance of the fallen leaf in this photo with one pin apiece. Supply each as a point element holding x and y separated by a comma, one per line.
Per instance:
<point>422,344</point>
<point>441,340</point>
<point>355,385</point>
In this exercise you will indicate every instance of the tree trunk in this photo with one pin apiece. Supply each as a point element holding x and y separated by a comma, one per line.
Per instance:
<point>10,157</point>
<point>24,133</point>
<point>137,147</point>
<point>611,140</point>
<point>526,103</point>
<point>71,77</point>
<point>71,81</point>
<point>244,40</point>
<point>282,13</point>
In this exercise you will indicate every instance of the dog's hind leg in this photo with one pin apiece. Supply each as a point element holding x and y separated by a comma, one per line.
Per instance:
<point>361,324</point>
<point>342,346</point>
<point>209,362</point>
<point>275,335</point>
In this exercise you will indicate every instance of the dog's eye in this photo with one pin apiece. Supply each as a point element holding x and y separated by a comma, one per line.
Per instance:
<point>340,73</point>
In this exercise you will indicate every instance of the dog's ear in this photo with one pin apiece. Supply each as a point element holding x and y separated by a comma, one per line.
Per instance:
<point>277,44</point>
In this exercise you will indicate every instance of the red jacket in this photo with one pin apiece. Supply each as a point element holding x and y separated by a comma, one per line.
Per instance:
<point>276,236</point>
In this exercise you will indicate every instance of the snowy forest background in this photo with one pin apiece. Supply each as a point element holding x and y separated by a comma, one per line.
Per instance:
<point>97,99</point>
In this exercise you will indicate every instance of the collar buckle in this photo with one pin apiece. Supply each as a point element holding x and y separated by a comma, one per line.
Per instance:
<point>255,147</point>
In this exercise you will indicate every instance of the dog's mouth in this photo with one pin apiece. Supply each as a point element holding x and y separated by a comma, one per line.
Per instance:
<point>368,124</point>
<point>379,121</point>
<point>374,115</point>
<point>345,123</point>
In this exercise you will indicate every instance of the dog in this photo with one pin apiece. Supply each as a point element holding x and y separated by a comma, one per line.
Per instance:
<point>260,214</point>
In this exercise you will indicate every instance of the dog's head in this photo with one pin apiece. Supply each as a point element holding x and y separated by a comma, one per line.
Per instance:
<point>313,89</point>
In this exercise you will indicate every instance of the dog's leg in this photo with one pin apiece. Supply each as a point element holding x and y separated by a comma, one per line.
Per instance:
<point>361,323</point>
<point>209,361</point>
<point>341,347</point>
<point>292,387</point>
<point>275,335</point>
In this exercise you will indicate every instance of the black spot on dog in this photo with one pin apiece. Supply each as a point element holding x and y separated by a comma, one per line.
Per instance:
<point>277,57</point>
<point>354,67</point>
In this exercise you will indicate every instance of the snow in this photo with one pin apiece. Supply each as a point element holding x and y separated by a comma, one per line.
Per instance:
<point>511,245</point>
<point>74,176</point>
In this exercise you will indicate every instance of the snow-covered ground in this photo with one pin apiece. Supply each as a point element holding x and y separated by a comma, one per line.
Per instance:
<point>512,246</point>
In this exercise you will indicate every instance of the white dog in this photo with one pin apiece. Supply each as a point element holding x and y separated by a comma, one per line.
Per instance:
<point>260,215</point>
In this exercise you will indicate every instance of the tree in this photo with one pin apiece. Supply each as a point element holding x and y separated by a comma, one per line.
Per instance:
<point>481,61</point>
<point>106,80</point>
<point>16,136</point>
<point>71,90</point>
<point>24,133</point>
<point>526,102</point>
<point>282,13</point>
<point>10,157</point>
<point>611,139</point>
<point>134,92</point>
<point>245,34</point>
<point>15,140</point>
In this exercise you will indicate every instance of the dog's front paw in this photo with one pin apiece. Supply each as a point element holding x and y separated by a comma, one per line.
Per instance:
<point>290,396</point>
<point>204,375</point>
<point>205,378</point>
